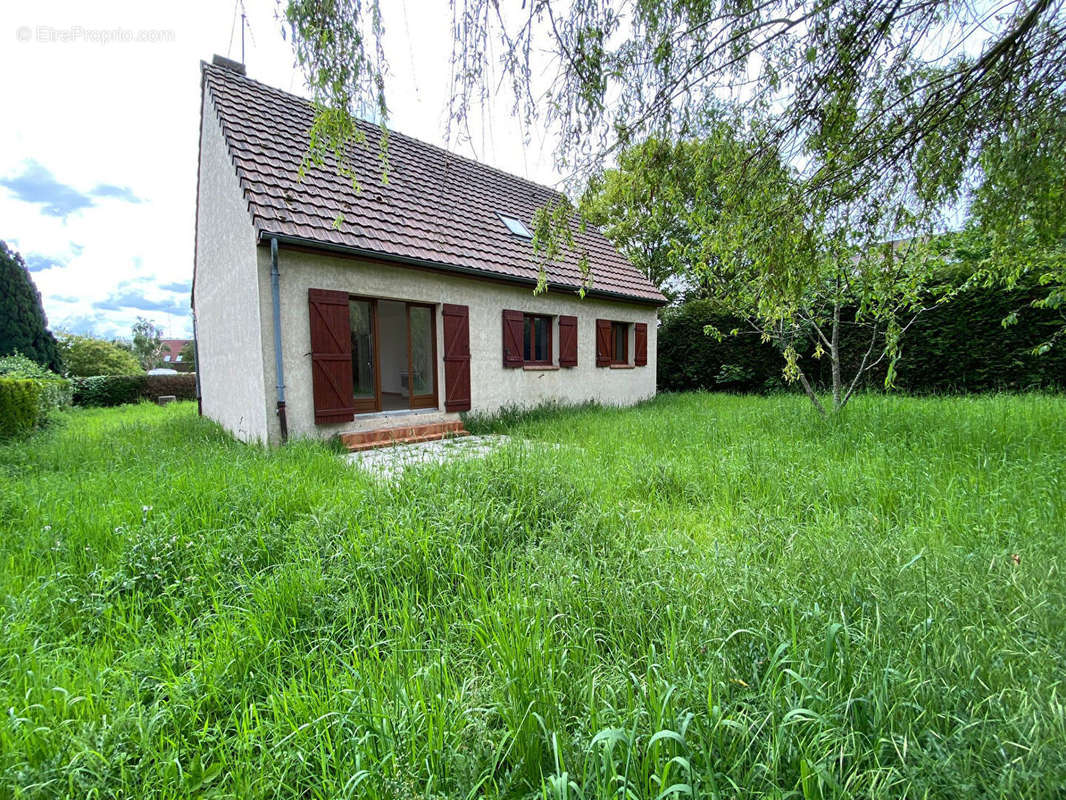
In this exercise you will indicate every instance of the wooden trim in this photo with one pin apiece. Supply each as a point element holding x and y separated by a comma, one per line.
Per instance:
<point>459,361</point>
<point>640,344</point>
<point>623,366</point>
<point>567,330</point>
<point>512,338</point>
<point>539,367</point>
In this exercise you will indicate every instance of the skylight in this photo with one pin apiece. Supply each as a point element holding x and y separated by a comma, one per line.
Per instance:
<point>516,227</point>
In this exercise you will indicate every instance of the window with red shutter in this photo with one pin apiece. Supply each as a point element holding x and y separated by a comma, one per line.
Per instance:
<point>640,335</point>
<point>567,341</point>
<point>456,357</point>
<point>331,356</point>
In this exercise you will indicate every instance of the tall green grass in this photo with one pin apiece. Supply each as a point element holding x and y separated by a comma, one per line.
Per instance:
<point>705,596</point>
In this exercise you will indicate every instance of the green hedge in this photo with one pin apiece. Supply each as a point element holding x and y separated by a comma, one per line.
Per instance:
<point>115,390</point>
<point>182,386</point>
<point>20,406</point>
<point>962,346</point>
<point>108,390</point>
<point>959,346</point>
<point>55,392</point>
<point>689,359</point>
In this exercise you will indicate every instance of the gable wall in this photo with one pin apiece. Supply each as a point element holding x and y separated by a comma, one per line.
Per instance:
<point>492,385</point>
<point>226,293</point>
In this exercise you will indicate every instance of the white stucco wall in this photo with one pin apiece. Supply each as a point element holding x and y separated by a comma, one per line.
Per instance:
<point>226,294</point>
<point>492,385</point>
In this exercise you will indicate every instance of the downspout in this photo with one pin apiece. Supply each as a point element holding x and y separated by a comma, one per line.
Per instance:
<point>196,365</point>
<point>278,368</point>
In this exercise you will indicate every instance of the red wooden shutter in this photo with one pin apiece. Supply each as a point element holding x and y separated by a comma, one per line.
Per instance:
<point>641,337</point>
<point>512,338</point>
<point>603,343</point>
<point>331,356</point>
<point>456,357</point>
<point>567,341</point>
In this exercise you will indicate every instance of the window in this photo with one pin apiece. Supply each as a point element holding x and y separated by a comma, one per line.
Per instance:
<point>536,339</point>
<point>516,226</point>
<point>619,343</point>
<point>166,358</point>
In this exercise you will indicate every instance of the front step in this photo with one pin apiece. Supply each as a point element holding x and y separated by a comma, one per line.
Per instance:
<point>404,434</point>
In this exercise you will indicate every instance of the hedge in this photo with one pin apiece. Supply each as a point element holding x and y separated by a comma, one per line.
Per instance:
<point>55,392</point>
<point>115,390</point>
<point>959,346</point>
<point>20,406</point>
<point>182,386</point>
<point>688,359</point>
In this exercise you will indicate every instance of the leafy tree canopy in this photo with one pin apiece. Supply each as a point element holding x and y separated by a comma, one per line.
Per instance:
<point>888,103</point>
<point>730,219</point>
<point>146,342</point>
<point>877,120</point>
<point>23,325</point>
<point>188,352</point>
<point>86,357</point>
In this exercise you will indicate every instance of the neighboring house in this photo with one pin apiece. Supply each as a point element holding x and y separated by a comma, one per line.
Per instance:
<point>330,310</point>
<point>171,350</point>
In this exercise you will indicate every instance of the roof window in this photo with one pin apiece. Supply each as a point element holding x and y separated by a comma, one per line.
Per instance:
<point>515,226</point>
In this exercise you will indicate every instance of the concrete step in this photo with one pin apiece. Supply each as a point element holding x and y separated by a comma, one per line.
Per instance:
<point>404,434</point>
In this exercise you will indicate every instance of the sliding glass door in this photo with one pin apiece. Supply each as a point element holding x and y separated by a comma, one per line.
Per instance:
<point>422,356</point>
<point>362,316</point>
<point>394,355</point>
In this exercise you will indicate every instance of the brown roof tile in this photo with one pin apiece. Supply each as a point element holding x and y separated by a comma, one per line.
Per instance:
<point>437,207</point>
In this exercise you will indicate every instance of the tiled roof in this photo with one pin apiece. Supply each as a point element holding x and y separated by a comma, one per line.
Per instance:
<point>172,347</point>
<point>436,209</point>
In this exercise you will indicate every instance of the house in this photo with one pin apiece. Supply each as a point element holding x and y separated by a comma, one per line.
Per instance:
<point>322,309</point>
<point>170,350</point>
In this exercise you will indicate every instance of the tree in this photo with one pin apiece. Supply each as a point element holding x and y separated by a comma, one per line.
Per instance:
<point>86,357</point>
<point>23,325</point>
<point>888,106</point>
<point>188,353</point>
<point>732,219</point>
<point>644,216</point>
<point>146,341</point>
<point>1018,228</point>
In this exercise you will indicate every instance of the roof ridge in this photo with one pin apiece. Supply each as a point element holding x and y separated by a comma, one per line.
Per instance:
<point>230,74</point>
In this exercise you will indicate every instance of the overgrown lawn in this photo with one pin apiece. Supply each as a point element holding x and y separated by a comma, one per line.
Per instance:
<point>706,596</point>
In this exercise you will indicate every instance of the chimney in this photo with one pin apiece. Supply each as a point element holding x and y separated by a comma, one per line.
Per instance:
<point>228,63</point>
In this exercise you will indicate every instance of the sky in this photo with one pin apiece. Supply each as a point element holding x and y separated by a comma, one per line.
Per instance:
<point>98,151</point>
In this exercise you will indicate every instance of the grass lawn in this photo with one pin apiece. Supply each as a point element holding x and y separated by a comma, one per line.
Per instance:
<point>706,596</point>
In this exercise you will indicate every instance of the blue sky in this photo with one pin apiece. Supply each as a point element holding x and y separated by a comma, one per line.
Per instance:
<point>98,152</point>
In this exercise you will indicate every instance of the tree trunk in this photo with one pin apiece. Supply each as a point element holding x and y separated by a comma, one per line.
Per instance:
<point>811,394</point>
<point>834,356</point>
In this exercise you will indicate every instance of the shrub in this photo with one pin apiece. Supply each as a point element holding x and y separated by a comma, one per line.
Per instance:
<point>116,390</point>
<point>87,357</point>
<point>182,386</point>
<point>55,392</point>
<point>20,406</point>
<point>690,359</point>
<point>963,346</point>
<point>108,390</point>
<point>958,346</point>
